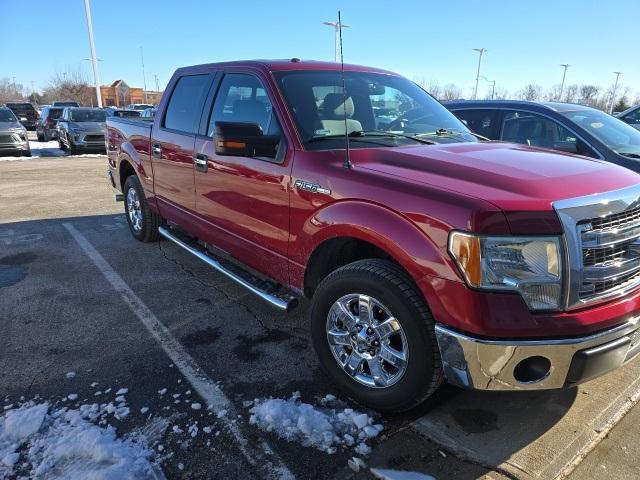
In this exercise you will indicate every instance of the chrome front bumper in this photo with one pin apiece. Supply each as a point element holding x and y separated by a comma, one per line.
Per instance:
<point>535,364</point>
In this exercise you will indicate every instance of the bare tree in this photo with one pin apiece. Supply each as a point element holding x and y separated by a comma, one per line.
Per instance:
<point>10,91</point>
<point>531,92</point>
<point>553,94</point>
<point>501,93</point>
<point>589,94</point>
<point>71,86</point>
<point>570,93</point>
<point>451,92</point>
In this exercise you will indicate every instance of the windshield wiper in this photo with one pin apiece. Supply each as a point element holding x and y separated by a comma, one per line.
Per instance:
<point>630,155</point>
<point>362,135</point>
<point>384,133</point>
<point>450,132</point>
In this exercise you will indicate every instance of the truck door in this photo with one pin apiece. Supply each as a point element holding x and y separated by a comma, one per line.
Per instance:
<point>172,143</point>
<point>243,201</point>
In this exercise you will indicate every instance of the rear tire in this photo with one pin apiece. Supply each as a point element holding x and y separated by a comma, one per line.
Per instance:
<point>415,371</point>
<point>61,144</point>
<point>143,223</point>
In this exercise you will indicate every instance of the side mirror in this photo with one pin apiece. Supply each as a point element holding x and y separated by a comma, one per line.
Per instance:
<point>244,140</point>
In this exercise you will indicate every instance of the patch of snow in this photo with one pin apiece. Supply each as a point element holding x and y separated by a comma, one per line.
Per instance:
<point>196,406</point>
<point>356,464</point>
<point>144,410</point>
<point>70,374</point>
<point>221,413</point>
<point>122,391</point>
<point>61,444</point>
<point>94,384</point>
<point>384,474</point>
<point>206,429</point>
<point>181,466</point>
<point>162,391</point>
<point>72,396</point>
<point>320,427</point>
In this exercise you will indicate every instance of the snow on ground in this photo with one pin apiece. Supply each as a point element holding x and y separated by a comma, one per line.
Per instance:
<point>48,443</point>
<point>47,149</point>
<point>383,474</point>
<point>324,428</point>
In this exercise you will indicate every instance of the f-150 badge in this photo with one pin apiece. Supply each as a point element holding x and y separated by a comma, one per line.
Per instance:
<point>311,187</point>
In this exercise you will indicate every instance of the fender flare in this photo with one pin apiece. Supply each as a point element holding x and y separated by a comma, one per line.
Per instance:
<point>380,226</point>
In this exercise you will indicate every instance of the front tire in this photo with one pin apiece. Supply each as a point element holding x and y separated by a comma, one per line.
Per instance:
<point>374,335</point>
<point>143,223</point>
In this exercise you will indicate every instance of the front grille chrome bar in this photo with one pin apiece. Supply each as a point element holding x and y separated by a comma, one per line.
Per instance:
<point>602,243</point>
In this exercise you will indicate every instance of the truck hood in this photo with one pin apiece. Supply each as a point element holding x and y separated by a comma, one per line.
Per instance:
<point>512,177</point>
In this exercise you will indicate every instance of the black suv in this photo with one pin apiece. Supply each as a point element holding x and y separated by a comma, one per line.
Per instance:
<point>47,126</point>
<point>26,113</point>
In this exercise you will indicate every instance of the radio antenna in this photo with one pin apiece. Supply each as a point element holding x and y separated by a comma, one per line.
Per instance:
<point>347,160</point>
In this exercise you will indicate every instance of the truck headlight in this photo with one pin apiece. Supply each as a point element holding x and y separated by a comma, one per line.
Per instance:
<point>531,266</point>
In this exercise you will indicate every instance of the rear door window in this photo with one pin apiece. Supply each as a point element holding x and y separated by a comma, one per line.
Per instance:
<point>185,105</point>
<point>481,121</point>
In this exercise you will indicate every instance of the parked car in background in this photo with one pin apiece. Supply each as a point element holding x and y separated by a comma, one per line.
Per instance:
<point>114,112</point>
<point>82,128</point>
<point>47,125</point>
<point>631,116</point>
<point>148,113</point>
<point>13,135</point>
<point>66,104</point>
<point>41,108</point>
<point>138,106</point>
<point>560,126</point>
<point>426,253</point>
<point>26,113</point>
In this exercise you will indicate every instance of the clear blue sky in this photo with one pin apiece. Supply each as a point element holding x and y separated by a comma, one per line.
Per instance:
<point>527,40</point>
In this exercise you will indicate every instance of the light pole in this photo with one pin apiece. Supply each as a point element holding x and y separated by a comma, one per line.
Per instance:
<point>493,86</point>
<point>564,74</point>
<point>481,52</point>
<point>156,79</point>
<point>613,94</point>
<point>92,46</point>
<point>144,78</point>
<point>336,49</point>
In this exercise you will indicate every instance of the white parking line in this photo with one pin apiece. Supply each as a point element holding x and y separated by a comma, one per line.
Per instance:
<point>261,456</point>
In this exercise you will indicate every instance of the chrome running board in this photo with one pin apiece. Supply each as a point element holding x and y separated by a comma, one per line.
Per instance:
<point>264,289</point>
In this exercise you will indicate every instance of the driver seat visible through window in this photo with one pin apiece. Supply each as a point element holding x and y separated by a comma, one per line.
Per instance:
<point>333,111</point>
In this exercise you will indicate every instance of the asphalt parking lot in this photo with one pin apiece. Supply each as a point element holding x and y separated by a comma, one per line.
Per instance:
<point>79,294</point>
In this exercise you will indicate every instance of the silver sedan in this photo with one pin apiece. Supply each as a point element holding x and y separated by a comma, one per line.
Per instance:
<point>13,135</point>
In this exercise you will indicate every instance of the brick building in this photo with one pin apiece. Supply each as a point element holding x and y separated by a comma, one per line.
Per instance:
<point>120,94</point>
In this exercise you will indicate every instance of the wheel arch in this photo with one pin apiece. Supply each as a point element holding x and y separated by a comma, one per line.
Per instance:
<point>348,231</point>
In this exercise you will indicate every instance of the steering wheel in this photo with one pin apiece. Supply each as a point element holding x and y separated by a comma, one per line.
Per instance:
<point>407,118</point>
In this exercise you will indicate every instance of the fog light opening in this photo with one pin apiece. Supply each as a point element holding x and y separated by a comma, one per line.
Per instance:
<point>532,370</point>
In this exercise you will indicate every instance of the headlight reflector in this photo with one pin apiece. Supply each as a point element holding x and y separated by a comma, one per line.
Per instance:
<point>531,266</point>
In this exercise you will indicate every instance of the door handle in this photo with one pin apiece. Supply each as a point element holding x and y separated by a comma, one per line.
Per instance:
<point>201,162</point>
<point>156,150</point>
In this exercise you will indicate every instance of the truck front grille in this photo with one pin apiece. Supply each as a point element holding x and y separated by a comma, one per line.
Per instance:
<point>602,234</point>
<point>610,252</point>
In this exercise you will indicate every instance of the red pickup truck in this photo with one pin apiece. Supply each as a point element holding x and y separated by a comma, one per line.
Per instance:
<point>428,254</point>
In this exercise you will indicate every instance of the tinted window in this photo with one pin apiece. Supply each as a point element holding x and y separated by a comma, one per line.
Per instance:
<point>538,131</point>
<point>54,113</point>
<point>614,133</point>
<point>481,121</point>
<point>185,105</point>
<point>7,115</point>
<point>242,98</point>
<point>632,118</point>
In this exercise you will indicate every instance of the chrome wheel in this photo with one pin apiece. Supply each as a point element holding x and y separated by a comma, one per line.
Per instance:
<point>367,341</point>
<point>134,209</point>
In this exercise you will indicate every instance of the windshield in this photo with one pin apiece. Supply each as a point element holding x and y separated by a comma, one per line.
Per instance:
<point>614,133</point>
<point>21,107</point>
<point>87,116</point>
<point>141,106</point>
<point>7,115</point>
<point>380,110</point>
